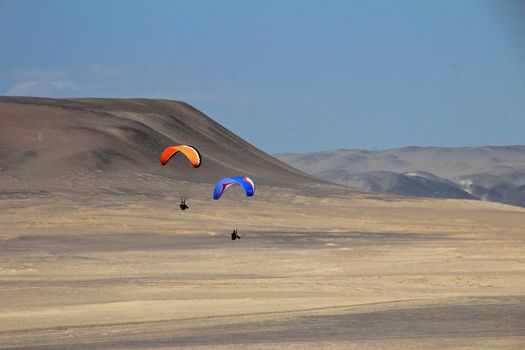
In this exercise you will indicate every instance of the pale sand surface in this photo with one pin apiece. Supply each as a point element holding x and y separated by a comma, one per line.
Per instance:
<point>131,271</point>
<point>95,253</point>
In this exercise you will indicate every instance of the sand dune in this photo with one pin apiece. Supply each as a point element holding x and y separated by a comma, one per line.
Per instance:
<point>94,253</point>
<point>57,137</point>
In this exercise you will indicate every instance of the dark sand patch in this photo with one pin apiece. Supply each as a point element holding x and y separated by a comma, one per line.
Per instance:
<point>461,322</point>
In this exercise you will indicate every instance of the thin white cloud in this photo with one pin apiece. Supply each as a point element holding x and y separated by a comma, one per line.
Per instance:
<point>23,88</point>
<point>68,85</point>
<point>50,88</point>
<point>102,80</point>
<point>41,82</point>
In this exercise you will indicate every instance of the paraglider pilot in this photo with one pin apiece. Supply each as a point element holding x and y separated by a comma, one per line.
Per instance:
<point>183,205</point>
<point>235,235</point>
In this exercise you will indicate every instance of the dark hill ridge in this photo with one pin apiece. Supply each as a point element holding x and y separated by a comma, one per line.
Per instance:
<point>416,184</point>
<point>43,138</point>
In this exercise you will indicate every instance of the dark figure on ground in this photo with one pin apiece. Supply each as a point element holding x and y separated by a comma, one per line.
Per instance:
<point>183,205</point>
<point>235,235</point>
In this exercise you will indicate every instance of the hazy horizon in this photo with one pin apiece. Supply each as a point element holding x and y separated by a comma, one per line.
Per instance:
<point>402,147</point>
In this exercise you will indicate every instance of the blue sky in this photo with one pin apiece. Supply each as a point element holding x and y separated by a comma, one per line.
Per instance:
<point>287,75</point>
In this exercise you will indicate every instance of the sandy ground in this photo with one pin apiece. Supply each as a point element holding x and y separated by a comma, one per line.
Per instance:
<point>95,253</point>
<point>130,271</point>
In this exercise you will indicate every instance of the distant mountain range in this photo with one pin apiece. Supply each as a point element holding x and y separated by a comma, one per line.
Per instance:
<point>486,173</point>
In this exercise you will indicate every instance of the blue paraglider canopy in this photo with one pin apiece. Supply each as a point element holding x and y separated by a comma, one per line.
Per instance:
<point>224,184</point>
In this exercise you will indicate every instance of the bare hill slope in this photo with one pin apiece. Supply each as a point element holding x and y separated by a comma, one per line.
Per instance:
<point>43,140</point>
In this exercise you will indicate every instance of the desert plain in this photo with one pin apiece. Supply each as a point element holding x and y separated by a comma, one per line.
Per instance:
<point>95,259</point>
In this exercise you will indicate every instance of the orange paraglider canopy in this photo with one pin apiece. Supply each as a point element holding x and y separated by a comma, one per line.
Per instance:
<point>190,152</point>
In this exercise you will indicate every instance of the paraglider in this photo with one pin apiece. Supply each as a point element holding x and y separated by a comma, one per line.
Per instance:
<point>227,182</point>
<point>190,152</point>
<point>222,185</point>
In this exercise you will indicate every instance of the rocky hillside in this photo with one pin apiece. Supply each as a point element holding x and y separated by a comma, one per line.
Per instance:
<point>485,173</point>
